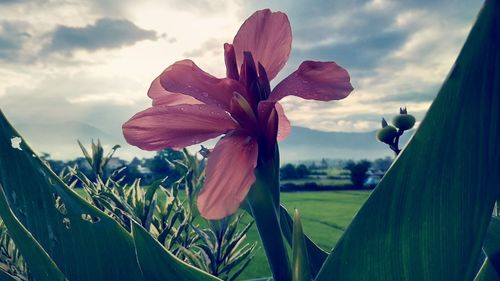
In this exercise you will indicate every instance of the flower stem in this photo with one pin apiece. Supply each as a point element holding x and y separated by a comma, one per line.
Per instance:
<point>262,204</point>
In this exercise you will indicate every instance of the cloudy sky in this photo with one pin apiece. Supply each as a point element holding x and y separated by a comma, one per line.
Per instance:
<point>91,62</point>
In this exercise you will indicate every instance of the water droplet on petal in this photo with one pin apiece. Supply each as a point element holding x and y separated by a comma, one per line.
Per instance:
<point>205,94</point>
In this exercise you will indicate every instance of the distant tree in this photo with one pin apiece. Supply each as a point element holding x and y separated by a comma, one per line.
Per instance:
<point>132,171</point>
<point>358,171</point>
<point>160,165</point>
<point>324,164</point>
<point>382,164</point>
<point>288,172</point>
<point>313,166</point>
<point>302,171</point>
<point>55,165</point>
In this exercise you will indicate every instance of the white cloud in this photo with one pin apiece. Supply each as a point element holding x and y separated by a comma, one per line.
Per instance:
<point>406,63</point>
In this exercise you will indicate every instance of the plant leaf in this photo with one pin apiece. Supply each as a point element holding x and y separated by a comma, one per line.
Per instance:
<point>75,234</point>
<point>491,244</point>
<point>487,272</point>
<point>427,218</point>
<point>300,260</point>
<point>158,264</point>
<point>39,262</point>
<point>316,255</point>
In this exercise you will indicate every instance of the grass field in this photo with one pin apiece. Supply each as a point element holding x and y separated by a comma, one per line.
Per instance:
<point>324,182</point>
<point>324,216</point>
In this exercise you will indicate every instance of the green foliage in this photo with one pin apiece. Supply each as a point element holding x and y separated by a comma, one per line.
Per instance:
<point>427,218</point>
<point>220,248</point>
<point>11,262</point>
<point>358,172</point>
<point>158,264</point>
<point>74,235</point>
<point>41,266</point>
<point>290,171</point>
<point>300,258</point>
<point>96,159</point>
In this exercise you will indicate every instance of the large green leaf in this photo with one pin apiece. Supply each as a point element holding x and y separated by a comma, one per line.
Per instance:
<point>491,247</point>
<point>159,265</point>
<point>39,262</point>
<point>427,218</point>
<point>487,272</point>
<point>85,243</point>
<point>491,244</point>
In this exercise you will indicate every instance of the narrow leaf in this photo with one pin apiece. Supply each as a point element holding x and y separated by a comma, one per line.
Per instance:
<point>316,255</point>
<point>300,260</point>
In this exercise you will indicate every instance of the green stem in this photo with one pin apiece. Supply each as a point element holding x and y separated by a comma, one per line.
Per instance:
<point>261,202</point>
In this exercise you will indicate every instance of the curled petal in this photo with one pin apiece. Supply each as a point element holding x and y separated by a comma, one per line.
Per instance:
<point>268,36</point>
<point>284,127</point>
<point>229,176</point>
<point>176,126</point>
<point>160,96</point>
<point>265,110</point>
<point>323,81</point>
<point>185,77</point>
<point>230,60</point>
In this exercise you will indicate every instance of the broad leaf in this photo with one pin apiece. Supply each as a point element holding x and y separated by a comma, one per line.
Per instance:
<point>159,265</point>
<point>487,272</point>
<point>85,243</point>
<point>39,262</point>
<point>427,218</point>
<point>491,244</point>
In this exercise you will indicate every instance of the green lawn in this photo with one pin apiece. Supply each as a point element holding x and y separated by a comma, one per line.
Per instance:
<point>324,182</point>
<point>324,216</point>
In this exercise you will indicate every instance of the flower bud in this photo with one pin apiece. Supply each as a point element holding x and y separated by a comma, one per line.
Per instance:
<point>384,123</point>
<point>387,134</point>
<point>404,121</point>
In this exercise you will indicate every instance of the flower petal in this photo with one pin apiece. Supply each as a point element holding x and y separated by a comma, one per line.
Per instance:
<point>265,109</point>
<point>268,36</point>
<point>229,176</point>
<point>160,96</point>
<point>284,126</point>
<point>323,81</point>
<point>230,61</point>
<point>176,126</point>
<point>185,77</point>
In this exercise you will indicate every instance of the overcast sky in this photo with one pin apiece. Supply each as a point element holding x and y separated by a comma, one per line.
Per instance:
<point>92,61</point>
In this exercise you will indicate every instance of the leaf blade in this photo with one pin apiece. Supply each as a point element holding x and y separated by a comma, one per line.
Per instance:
<point>427,217</point>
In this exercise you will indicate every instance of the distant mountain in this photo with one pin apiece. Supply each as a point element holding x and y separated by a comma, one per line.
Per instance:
<point>309,144</point>
<point>59,140</point>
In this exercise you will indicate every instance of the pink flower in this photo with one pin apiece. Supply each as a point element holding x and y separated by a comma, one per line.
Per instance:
<point>191,106</point>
